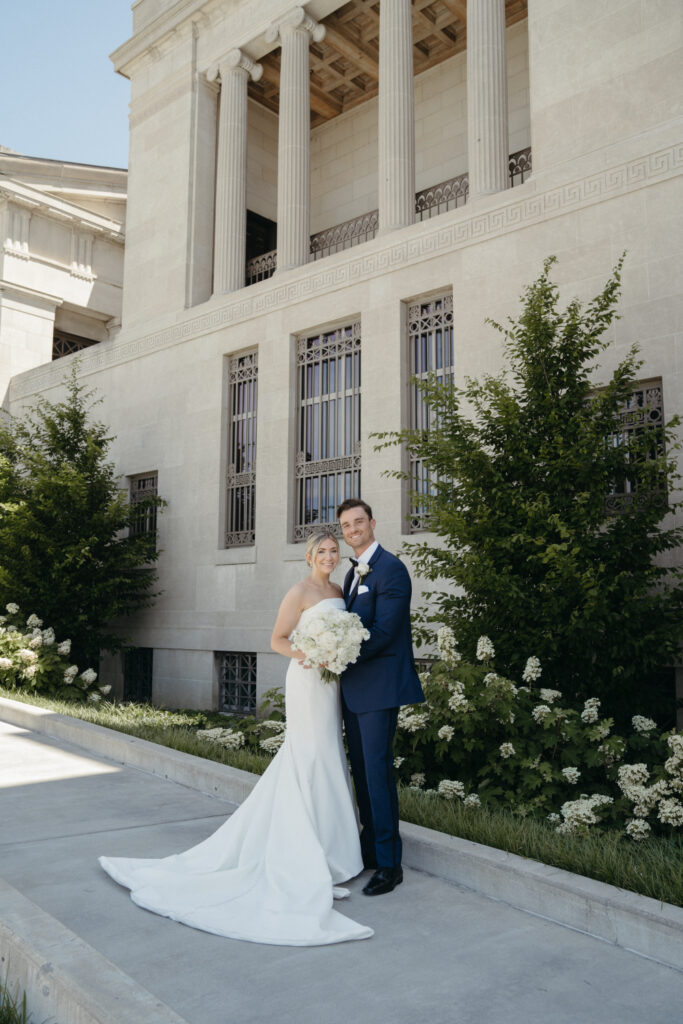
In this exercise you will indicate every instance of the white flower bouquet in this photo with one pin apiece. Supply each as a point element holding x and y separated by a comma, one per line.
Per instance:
<point>330,641</point>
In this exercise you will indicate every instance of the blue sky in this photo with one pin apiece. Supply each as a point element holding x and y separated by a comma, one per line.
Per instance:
<point>59,94</point>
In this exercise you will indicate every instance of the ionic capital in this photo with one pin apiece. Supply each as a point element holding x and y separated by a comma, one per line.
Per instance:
<point>235,60</point>
<point>296,20</point>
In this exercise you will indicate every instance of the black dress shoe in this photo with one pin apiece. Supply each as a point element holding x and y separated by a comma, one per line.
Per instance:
<point>383,880</point>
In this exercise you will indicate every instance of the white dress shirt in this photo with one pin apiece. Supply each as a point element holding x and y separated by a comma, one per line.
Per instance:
<point>365,556</point>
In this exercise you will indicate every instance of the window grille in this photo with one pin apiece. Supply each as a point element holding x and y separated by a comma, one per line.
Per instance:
<point>142,487</point>
<point>328,426</point>
<point>64,344</point>
<point>241,476</point>
<point>237,673</point>
<point>642,411</point>
<point>137,674</point>
<point>430,344</point>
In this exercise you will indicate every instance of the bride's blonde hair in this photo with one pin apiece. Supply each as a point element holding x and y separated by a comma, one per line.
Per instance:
<point>315,539</point>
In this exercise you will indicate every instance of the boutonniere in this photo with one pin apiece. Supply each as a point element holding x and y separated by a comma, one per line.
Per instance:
<point>363,569</point>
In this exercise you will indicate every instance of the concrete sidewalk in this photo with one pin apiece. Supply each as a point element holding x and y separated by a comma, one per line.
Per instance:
<point>440,953</point>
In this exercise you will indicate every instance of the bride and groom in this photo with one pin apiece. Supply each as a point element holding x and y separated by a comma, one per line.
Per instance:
<point>271,871</point>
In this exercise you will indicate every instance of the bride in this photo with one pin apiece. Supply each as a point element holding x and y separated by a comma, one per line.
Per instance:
<point>270,872</point>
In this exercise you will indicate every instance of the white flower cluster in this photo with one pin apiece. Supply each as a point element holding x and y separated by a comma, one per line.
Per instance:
<point>540,712</point>
<point>501,685</point>
<point>64,648</point>
<point>451,789</point>
<point>271,744</point>
<point>457,700</point>
<point>33,622</point>
<point>571,775</point>
<point>590,710</point>
<point>331,638</point>
<point>417,780</point>
<point>549,696</point>
<point>412,721</point>
<point>233,739</point>
<point>578,815</point>
<point>670,812</point>
<point>398,761</point>
<point>532,670</point>
<point>5,663</point>
<point>445,641</point>
<point>88,677</point>
<point>633,778</point>
<point>48,636</point>
<point>637,828</point>
<point>485,649</point>
<point>11,608</point>
<point>36,642</point>
<point>70,674</point>
<point>507,750</point>
<point>674,764</point>
<point>642,724</point>
<point>472,800</point>
<point>274,724</point>
<point>446,733</point>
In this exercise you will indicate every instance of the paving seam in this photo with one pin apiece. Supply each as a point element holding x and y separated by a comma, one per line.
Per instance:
<point>105,831</point>
<point>638,924</point>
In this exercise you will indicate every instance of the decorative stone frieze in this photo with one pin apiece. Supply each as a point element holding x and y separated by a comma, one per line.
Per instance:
<point>234,72</point>
<point>81,255</point>
<point>487,106</point>
<point>295,32</point>
<point>396,128</point>
<point>17,221</point>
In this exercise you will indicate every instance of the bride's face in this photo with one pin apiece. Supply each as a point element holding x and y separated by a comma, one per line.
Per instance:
<point>327,556</point>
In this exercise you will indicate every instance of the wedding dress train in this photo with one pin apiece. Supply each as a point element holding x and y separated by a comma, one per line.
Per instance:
<point>267,874</point>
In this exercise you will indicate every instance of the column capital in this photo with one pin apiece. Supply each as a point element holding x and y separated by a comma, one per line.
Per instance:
<point>296,20</point>
<point>234,60</point>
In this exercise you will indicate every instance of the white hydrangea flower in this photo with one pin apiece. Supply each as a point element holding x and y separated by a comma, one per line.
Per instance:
<point>451,788</point>
<point>580,814</point>
<point>11,608</point>
<point>457,702</point>
<point>398,761</point>
<point>554,818</point>
<point>105,690</point>
<point>27,655</point>
<point>271,744</point>
<point>642,724</point>
<point>70,673</point>
<point>590,710</point>
<point>630,775</point>
<point>33,622</point>
<point>670,812</point>
<point>472,800</point>
<point>445,641</point>
<point>5,663</point>
<point>540,712</point>
<point>532,670</point>
<point>506,750</point>
<point>485,649</point>
<point>95,697</point>
<point>88,676</point>
<point>571,775</point>
<point>549,696</point>
<point>48,636</point>
<point>417,780</point>
<point>637,829</point>
<point>511,717</point>
<point>412,721</point>
<point>274,724</point>
<point>36,642</point>
<point>64,648</point>
<point>446,732</point>
<point>30,671</point>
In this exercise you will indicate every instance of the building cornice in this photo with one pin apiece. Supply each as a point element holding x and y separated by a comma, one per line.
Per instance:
<point>516,209</point>
<point>59,209</point>
<point>34,296</point>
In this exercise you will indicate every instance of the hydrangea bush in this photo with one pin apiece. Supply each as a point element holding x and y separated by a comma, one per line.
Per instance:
<point>264,734</point>
<point>31,658</point>
<point>484,738</point>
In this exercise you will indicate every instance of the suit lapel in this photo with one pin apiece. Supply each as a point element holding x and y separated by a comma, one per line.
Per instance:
<point>350,598</point>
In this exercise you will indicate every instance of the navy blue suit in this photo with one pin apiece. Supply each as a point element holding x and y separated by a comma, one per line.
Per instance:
<point>373,689</point>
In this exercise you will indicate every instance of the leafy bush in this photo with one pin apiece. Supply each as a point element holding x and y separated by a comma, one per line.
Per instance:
<point>482,738</point>
<point>32,659</point>
<point>521,466</point>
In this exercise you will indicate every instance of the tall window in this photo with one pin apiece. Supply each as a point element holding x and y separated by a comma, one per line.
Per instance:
<point>237,676</point>
<point>137,674</point>
<point>143,486</point>
<point>241,477</point>
<point>328,425</point>
<point>63,343</point>
<point>430,348</point>
<point>642,411</point>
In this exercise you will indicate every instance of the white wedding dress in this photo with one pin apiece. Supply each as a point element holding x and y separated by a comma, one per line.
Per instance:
<point>267,874</point>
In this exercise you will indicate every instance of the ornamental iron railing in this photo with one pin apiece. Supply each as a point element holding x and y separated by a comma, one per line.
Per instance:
<point>241,473</point>
<point>429,202</point>
<point>328,461</point>
<point>237,680</point>
<point>430,353</point>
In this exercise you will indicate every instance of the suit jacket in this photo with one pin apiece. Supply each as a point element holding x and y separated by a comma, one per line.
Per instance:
<point>384,675</point>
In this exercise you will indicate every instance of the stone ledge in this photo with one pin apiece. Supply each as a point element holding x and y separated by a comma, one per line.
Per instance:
<point>64,978</point>
<point>636,923</point>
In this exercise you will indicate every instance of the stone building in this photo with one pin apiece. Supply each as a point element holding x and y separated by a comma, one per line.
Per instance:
<point>316,188</point>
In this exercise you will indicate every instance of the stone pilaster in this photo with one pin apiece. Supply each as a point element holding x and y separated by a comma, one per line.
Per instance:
<point>295,31</point>
<point>230,243</point>
<point>487,104</point>
<point>396,128</point>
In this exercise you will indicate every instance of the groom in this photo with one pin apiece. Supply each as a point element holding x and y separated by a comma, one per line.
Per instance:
<point>377,588</point>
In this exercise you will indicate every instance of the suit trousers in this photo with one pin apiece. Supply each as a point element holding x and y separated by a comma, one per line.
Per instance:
<point>370,738</point>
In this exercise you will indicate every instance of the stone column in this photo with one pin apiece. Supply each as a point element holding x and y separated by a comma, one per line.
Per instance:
<point>487,103</point>
<point>295,31</point>
<point>396,130</point>
<point>230,245</point>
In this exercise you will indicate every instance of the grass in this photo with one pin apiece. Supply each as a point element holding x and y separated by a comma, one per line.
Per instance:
<point>653,867</point>
<point>12,1009</point>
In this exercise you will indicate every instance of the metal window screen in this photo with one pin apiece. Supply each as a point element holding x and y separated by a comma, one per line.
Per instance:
<point>642,411</point>
<point>430,345</point>
<point>141,487</point>
<point>237,682</point>
<point>64,344</point>
<point>241,475</point>
<point>328,425</point>
<point>137,674</point>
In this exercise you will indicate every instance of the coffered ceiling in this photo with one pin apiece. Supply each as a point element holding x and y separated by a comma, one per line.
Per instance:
<point>345,65</point>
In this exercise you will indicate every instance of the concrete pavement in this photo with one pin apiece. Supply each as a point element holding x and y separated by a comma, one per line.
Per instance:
<point>440,953</point>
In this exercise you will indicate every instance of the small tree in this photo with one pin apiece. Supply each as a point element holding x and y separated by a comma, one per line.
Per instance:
<point>66,553</point>
<point>522,464</point>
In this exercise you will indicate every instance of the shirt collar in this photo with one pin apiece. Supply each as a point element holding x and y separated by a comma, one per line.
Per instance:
<point>369,552</point>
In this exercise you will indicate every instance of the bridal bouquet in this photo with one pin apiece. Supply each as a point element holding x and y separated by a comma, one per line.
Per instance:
<point>330,640</point>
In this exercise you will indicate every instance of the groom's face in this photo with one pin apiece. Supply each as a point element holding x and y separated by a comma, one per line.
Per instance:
<point>358,529</point>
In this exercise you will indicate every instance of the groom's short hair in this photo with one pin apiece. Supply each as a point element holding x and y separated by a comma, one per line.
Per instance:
<point>354,503</point>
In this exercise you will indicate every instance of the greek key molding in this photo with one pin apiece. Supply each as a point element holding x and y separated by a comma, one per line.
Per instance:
<point>454,230</point>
